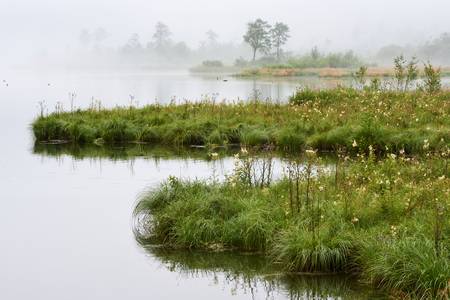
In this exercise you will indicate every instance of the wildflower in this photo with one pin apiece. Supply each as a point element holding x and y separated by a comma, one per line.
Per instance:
<point>355,220</point>
<point>393,156</point>
<point>407,203</point>
<point>402,151</point>
<point>393,230</point>
<point>310,152</point>
<point>244,151</point>
<point>321,188</point>
<point>354,144</point>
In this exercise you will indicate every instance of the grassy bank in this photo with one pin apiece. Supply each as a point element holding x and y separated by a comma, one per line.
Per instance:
<point>323,120</point>
<point>289,71</point>
<point>386,220</point>
<point>325,72</point>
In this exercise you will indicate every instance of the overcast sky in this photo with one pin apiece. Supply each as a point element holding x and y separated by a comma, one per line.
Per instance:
<point>32,25</point>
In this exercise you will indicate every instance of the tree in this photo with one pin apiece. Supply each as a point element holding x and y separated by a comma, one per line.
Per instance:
<point>85,37</point>
<point>279,35</point>
<point>100,35</point>
<point>211,38</point>
<point>161,36</point>
<point>315,54</point>
<point>133,43</point>
<point>258,36</point>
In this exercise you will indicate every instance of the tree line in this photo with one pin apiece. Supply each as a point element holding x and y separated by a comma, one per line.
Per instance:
<point>262,37</point>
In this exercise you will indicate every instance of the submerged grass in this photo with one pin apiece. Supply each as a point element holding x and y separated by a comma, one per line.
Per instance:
<point>324,120</point>
<point>387,220</point>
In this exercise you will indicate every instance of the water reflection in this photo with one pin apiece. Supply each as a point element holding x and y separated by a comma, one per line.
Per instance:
<point>125,151</point>
<point>272,163</point>
<point>256,276</point>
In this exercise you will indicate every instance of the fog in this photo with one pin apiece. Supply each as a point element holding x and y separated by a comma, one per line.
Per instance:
<point>49,30</point>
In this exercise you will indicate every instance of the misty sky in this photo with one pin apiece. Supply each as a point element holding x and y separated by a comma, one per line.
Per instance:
<point>29,26</point>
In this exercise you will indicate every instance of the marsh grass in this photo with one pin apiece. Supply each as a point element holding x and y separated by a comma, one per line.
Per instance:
<point>370,216</point>
<point>324,120</point>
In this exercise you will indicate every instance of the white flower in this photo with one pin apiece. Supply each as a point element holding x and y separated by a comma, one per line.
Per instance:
<point>354,144</point>
<point>310,152</point>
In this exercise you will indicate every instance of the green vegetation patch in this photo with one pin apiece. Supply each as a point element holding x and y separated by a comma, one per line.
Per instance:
<point>324,120</point>
<point>386,220</point>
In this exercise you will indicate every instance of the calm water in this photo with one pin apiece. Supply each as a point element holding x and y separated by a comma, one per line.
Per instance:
<point>65,222</point>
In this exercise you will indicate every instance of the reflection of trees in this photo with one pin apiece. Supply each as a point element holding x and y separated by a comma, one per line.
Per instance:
<point>255,275</point>
<point>256,93</point>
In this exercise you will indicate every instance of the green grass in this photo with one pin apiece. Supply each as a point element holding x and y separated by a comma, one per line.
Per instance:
<point>386,220</point>
<point>407,264</point>
<point>323,120</point>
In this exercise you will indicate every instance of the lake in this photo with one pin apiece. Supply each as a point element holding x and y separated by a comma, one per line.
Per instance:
<point>66,228</point>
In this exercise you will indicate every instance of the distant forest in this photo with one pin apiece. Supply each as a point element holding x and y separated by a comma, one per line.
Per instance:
<point>437,51</point>
<point>261,45</point>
